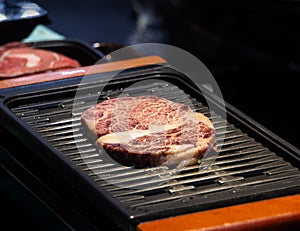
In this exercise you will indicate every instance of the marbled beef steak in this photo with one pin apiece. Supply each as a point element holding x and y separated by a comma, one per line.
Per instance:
<point>149,131</point>
<point>18,59</point>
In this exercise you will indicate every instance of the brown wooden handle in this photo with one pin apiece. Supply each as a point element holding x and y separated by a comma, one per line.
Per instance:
<point>273,214</point>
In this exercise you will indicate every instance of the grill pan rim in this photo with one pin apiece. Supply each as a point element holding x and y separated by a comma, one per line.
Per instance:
<point>70,45</point>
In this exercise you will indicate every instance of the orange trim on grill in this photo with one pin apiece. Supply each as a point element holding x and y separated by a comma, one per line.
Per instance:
<point>81,71</point>
<point>273,214</point>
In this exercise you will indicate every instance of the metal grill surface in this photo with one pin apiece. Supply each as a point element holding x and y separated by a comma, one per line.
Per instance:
<point>242,170</point>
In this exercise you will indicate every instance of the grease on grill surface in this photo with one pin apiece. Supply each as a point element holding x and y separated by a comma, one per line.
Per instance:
<point>243,167</point>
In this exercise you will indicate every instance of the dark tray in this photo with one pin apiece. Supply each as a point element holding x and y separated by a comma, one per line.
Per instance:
<point>84,53</point>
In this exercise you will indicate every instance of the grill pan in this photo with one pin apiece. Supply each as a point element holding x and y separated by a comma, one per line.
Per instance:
<point>84,53</point>
<point>253,164</point>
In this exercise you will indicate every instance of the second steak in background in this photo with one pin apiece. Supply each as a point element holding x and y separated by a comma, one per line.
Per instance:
<point>18,59</point>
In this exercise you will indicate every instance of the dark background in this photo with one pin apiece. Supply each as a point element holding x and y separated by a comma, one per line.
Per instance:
<point>91,20</point>
<point>252,49</point>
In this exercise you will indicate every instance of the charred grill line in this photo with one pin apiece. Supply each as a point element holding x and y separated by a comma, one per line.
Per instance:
<point>59,133</point>
<point>64,121</point>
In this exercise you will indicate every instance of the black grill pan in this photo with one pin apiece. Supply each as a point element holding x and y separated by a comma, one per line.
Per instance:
<point>84,53</point>
<point>253,164</point>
